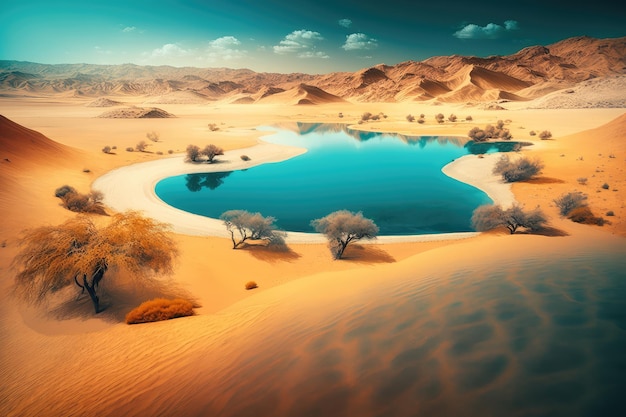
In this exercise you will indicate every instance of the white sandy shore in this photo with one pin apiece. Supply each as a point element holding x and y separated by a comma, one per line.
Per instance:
<point>132,188</point>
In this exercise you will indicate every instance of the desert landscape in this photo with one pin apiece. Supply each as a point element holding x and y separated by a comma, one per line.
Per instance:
<point>469,323</point>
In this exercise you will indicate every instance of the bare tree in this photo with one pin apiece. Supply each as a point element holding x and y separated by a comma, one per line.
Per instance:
<point>343,227</point>
<point>251,226</point>
<point>211,151</point>
<point>153,136</point>
<point>490,217</point>
<point>79,253</point>
<point>141,146</point>
<point>570,201</point>
<point>519,170</point>
<point>193,153</point>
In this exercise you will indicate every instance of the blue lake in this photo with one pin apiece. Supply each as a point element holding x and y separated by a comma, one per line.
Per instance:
<point>395,180</point>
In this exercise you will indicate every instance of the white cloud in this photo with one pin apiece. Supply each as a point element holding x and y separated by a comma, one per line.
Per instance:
<point>359,41</point>
<point>311,54</point>
<point>490,31</point>
<point>346,23</point>
<point>226,48</point>
<point>129,29</point>
<point>298,41</point>
<point>169,50</point>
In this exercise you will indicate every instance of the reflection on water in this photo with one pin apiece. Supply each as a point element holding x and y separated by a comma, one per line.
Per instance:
<point>396,180</point>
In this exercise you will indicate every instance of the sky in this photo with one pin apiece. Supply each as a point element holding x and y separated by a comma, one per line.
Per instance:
<point>314,37</point>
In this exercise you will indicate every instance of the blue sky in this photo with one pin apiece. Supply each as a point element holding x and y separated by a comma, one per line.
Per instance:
<point>289,36</point>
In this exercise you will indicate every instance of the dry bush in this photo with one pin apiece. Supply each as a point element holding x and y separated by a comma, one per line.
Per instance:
<point>452,118</point>
<point>490,132</point>
<point>519,170</point>
<point>439,117</point>
<point>153,136</point>
<point>532,133</point>
<point>245,157</point>
<point>585,215</point>
<point>213,127</point>
<point>605,186</point>
<point>582,180</point>
<point>106,149</point>
<point>366,116</point>
<point>410,118</point>
<point>80,203</point>
<point>193,153</point>
<point>211,151</point>
<point>421,120</point>
<point>250,285</point>
<point>129,149</point>
<point>160,309</point>
<point>340,115</point>
<point>141,146</point>
<point>610,213</point>
<point>546,134</point>
<point>490,217</point>
<point>570,201</point>
<point>469,118</point>
<point>170,151</point>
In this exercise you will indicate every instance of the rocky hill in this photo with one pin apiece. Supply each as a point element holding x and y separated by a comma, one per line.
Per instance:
<point>528,74</point>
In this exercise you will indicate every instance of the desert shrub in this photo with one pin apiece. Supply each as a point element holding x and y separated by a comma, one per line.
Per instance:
<point>193,153</point>
<point>343,227</point>
<point>86,170</point>
<point>490,217</point>
<point>170,151</point>
<point>610,213</point>
<point>570,201</point>
<point>63,190</point>
<point>585,215</point>
<point>80,203</point>
<point>532,133</point>
<point>159,153</point>
<point>490,132</point>
<point>366,116</point>
<point>439,117</point>
<point>141,146</point>
<point>153,136</point>
<point>106,149</point>
<point>211,151</point>
<point>469,118</point>
<point>410,118</point>
<point>421,120</point>
<point>519,170</point>
<point>250,285</point>
<point>582,180</point>
<point>245,157</point>
<point>452,118</point>
<point>340,115</point>
<point>160,309</point>
<point>546,134</point>
<point>605,186</point>
<point>113,147</point>
<point>129,149</point>
<point>213,127</point>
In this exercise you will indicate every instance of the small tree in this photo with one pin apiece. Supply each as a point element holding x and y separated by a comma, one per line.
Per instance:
<point>211,151</point>
<point>79,253</point>
<point>519,170</point>
<point>490,217</point>
<point>141,146</point>
<point>153,136</point>
<point>193,153</point>
<point>570,201</point>
<point>251,226</point>
<point>343,227</point>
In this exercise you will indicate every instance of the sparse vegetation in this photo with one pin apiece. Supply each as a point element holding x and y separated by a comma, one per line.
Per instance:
<point>366,116</point>
<point>343,227</point>
<point>141,146</point>
<point>160,309</point>
<point>80,203</point>
<point>340,115</point>
<point>570,201</point>
<point>610,213</point>
<point>410,118</point>
<point>250,285</point>
<point>244,226</point>
<point>439,117</point>
<point>490,217</point>
<point>211,151</point>
<point>193,153</point>
<point>452,118</point>
<point>605,186</point>
<point>520,169</point>
<point>490,132</point>
<point>585,215</point>
<point>213,127</point>
<point>106,149</point>
<point>79,253</point>
<point>545,135</point>
<point>129,149</point>
<point>245,157</point>
<point>582,180</point>
<point>170,151</point>
<point>469,118</point>
<point>532,133</point>
<point>153,136</point>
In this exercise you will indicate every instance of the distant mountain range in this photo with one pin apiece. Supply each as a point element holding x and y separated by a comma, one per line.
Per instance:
<point>528,74</point>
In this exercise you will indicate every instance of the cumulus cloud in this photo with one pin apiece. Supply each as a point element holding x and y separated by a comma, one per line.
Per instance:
<point>298,41</point>
<point>311,54</point>
<point>346,23</point>
<point>490,31</point>
<point>169,50</point>
<point>226,48</point>
<point>359,41</point>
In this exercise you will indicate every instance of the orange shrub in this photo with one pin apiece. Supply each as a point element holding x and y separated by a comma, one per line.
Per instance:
<point>250,285</point>
<point>160,309</point>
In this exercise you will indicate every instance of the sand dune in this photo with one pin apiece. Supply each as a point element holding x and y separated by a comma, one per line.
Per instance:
<point>137,113</point>
<point>302,94</point>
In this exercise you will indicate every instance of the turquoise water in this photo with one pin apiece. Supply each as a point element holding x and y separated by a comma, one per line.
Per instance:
<point>393,179</point>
